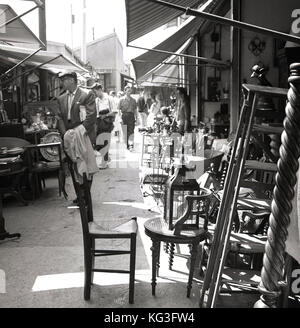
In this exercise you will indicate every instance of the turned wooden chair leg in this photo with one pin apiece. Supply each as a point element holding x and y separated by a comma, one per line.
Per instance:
<point>166,248</point>
<point>154,249</point>
<point>194,251</point>
<point>171,255</point>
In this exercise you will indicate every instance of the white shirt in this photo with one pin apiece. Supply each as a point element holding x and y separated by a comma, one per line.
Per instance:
<point>103,103</point>
<point>71,96</point>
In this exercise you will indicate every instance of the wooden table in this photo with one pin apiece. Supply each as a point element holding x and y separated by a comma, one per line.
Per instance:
<point>11,172</point>
<point>12,187</point>
<point>157,229</point>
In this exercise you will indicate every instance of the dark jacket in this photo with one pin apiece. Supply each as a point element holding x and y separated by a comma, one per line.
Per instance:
<point>82,98</point>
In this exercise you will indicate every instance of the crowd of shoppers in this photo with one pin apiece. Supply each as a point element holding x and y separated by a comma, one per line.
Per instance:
<point>101,113</point>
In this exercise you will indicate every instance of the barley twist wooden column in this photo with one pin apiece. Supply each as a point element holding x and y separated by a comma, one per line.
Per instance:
<point>285,181</point>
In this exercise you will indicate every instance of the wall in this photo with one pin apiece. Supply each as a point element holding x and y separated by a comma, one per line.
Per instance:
<point>106,56</point>
<point>102,53</point>
<point>272,14</point>
<point>207,72</point>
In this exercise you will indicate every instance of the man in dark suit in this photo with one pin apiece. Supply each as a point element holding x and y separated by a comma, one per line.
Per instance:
<point>76,106</point>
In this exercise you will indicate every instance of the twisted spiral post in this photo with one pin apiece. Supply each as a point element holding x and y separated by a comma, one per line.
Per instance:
<point>285,181</point>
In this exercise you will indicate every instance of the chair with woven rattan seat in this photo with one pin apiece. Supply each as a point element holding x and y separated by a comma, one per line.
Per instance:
<point>190,229</point>
<point>92,231</point>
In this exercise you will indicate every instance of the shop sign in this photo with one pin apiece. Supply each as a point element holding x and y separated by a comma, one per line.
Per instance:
<point>296,23</point>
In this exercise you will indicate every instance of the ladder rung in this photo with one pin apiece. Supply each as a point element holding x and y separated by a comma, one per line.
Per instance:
<point>263,166</point>
<point>268,129</point>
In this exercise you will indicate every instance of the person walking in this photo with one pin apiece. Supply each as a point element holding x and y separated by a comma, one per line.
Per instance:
<point>128,111</point>
<point>117,123</point>
<point>154,110</point>
<point>105,125</point>
<point>183,111</point>
<point>142,109</point>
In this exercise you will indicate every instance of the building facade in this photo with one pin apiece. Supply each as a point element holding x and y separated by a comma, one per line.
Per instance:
<point>105,55</point>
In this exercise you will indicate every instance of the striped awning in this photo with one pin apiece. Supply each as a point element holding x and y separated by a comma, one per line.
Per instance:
<point>144,16</point>
<point>150,59</point>
<point>16,32</point>
<point>166,73</point>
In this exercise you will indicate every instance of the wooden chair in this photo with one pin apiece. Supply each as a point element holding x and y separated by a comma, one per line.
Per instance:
<point>38,167</point>
<point>190,229</point>
<point>93,231</point>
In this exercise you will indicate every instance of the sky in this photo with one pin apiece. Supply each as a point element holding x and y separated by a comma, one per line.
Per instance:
<point>102,17</point>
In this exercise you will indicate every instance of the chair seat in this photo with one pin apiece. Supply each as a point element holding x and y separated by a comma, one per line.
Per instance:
<point>159,229</point>
<point>126,228</point>
<point>243,242</point>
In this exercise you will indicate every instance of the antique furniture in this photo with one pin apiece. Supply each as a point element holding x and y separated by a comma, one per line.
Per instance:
<point>189,229</point>
<point>93,231</point>
<point>46,157</point>
<point>176,188</point>
<point>229,200</point>
<point>156,160</point>
<point>284,193</point>
<point>12,170</point>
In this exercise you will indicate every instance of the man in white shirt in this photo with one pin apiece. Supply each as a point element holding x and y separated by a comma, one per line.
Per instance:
<point>105,119</point>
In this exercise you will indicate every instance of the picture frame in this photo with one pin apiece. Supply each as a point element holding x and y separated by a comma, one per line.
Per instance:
<point>33,93</point>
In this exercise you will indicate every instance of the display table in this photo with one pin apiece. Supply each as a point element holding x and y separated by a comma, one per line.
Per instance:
<point>12,169</point>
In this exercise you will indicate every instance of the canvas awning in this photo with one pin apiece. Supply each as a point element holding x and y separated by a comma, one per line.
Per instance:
<point>166,73</point>
<point>52,61</point>
<point>144,16</point>
<point>17,31</point>
<point>148,61</point>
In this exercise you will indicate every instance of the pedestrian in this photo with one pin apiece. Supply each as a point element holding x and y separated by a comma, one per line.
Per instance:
<point>142,109</point>
<point>128,111</point>
<point>76,106</point>
<point>76,109</point>
<point>183,111</point>
<point>154,110</point>
<point>117,123</point>
<point>105,125</point>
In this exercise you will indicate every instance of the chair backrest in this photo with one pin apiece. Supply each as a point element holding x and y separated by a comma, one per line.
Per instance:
<point>196,213</point>
<point>84,198</point>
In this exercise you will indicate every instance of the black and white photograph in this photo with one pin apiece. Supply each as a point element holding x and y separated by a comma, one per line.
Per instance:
<point>149,157</point>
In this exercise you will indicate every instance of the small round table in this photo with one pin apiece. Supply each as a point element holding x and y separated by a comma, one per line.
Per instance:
<point>12,169</point>
<point>157,229</point>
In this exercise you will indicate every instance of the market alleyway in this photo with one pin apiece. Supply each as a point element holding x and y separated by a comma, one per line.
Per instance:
<point>44,268</point>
